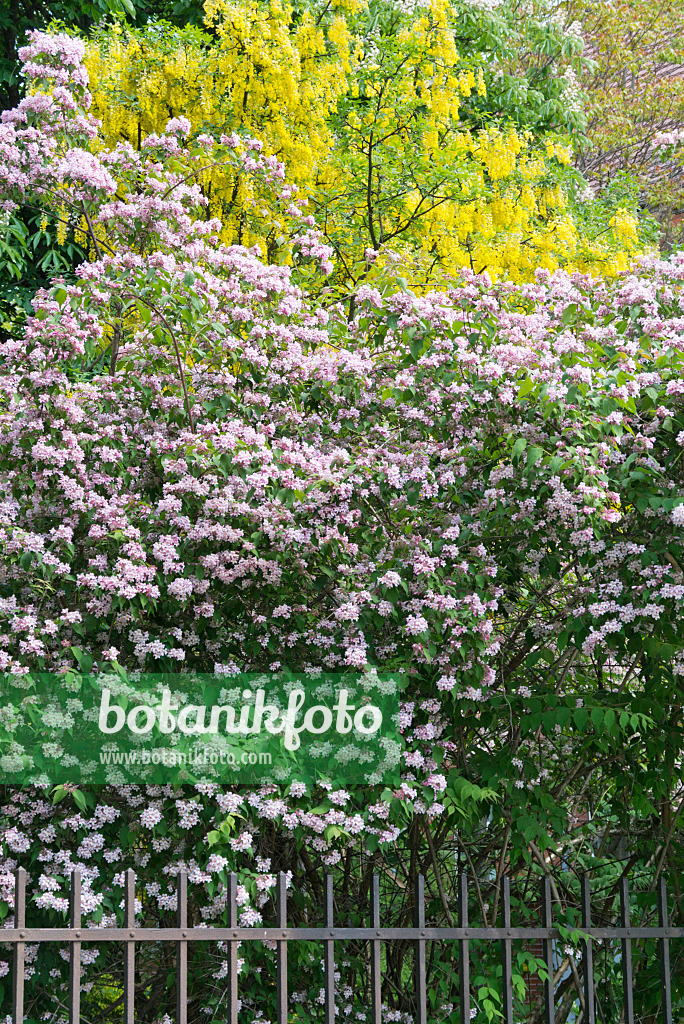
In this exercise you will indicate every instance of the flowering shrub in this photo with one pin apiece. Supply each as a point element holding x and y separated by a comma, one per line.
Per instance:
<point>478,489</point>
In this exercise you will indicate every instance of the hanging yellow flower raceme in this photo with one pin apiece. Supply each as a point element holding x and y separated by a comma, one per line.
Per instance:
<point>625,226</point>
<point>62,225</point>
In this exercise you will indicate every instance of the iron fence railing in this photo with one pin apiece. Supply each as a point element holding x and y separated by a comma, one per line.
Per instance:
<point>329,934</point>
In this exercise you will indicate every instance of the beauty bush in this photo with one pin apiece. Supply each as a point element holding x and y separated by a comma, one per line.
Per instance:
<point>202,469</point>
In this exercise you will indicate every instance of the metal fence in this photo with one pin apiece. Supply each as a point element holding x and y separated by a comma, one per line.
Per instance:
<point>375,935</point>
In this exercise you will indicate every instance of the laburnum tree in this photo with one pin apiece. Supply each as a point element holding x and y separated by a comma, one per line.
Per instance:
<point>478,489</point>
<point>441,132</point>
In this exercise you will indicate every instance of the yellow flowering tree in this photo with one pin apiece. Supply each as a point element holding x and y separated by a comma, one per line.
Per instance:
<point>380,113</point>
<point>410,173</point>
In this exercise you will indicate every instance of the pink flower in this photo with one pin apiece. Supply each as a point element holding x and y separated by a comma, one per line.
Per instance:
<point>416,624</point>
<point>150,817</point>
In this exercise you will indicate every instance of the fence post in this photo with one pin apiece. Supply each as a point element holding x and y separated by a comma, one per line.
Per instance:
<point>463,951</point>
<point>232,950</point>
<point>421,969</point>
<point>329,954</point>
<point>588,955</point>
<point>129,947</point>
<point>19,947</point>
<point>281,981</point>
<point>664,943</point>
<point>547,922</point>
<point>507,957</point>
<point>376,971</point>
<point>626,946</point>
<point>182,950</point>
<point>75,949</point>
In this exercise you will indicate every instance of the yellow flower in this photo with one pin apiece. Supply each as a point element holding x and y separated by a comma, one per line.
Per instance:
<point>62,225</point>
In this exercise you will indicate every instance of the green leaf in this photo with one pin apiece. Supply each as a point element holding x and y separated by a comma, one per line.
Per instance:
<point>582,718</point>
<point>79,799</point>
<point>144,313</point>
<point>85,661</point>
<point>569,314</point>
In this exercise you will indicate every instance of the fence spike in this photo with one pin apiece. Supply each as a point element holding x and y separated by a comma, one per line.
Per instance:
<point>664,944</point>
<point>626,945</point>
<point>182,950</point>
<point>463,950</point>
<point>20,947</point>
<point>129,948</point>
<point>420,964</point>
<point>375,951</point>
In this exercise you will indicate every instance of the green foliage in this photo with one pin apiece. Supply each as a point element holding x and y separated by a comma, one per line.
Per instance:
<point>18,16</point>
<point>527,55</point>
<point>30,256</point>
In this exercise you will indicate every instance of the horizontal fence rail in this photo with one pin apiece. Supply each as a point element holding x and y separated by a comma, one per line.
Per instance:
<point>328,934</point>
